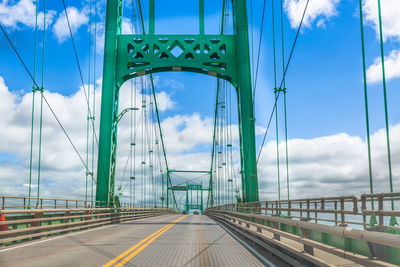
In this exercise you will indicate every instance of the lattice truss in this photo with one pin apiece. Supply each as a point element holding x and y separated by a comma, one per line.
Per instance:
<point>209,54</point>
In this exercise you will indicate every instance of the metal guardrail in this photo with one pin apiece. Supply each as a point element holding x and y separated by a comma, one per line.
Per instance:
<point>328,223</point>
<point>13,202</point>
<point>339,211</point>
<point>382,248</point>
<point>21,225</point>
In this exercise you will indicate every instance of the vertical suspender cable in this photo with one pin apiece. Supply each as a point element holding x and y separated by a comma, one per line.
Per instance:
<point>87,113</point>
<point>284,102</point>
<point>385,101</point>
<point>276,103</point>
<point>284,75</point>
<point>94,96</point>
<point>41,103</point>
<point>371,185</point>
<point>259,50</point>
<point>33,103</point>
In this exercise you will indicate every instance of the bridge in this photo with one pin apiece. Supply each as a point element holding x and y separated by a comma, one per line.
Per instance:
<point>132,195</point>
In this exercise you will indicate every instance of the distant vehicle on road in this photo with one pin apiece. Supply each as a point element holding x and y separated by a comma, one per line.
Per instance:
<point>196,212</point>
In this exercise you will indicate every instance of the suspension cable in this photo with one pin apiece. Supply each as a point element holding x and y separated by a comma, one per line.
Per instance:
<point>371,185</point>
<point>44,97</point>
<point>81,79</point>
<point>385,101</point>
<point>284,101</point>
<point>259,51</point>
<point>283,78</point>
<point>33,104</point>
<point>41,105</point>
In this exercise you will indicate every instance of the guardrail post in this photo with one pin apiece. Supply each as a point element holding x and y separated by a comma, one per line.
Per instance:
<point>36,215</point>
<point>336,215</point>
<point>301,210</point>
<point>307,248</point>
<point>66,214</point>
<point>89,212</point>
<point>315,213</point>
<point>378,251</point>
<point>276,226</point>
<point>380,207</point>
<point>3,203</point>
<point>342,218</point>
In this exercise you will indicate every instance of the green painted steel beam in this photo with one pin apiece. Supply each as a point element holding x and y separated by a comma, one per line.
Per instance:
<point>245,101</point>
<point>109,96</point>
<point>171,171</point>
<point>131,56</point>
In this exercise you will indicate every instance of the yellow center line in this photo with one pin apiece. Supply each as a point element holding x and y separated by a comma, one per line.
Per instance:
<point>141,245</point>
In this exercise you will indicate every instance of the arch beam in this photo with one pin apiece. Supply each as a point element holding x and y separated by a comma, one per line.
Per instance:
<point>129,56</point>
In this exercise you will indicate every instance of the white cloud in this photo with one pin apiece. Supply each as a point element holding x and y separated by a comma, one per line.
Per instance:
<point>390,31</point>
<point>330,165</point>
<point>59,160</point>
<point>22,13</point>
<point>318,11</point>
<point>76,19</point>
<point>334,165</point>
<point>127,26</point>
<point>390,17</point>
<point>392,68</point>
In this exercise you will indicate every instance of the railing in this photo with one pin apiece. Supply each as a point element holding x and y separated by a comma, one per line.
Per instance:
<point>339,211</point>
<point>12,202</point>
<point>23,224</point>
<point>322,224</point>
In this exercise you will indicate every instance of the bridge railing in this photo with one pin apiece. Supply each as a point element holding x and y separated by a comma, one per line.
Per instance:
<point>13,202</point>
<point>369,210</point>
<point>322,224</point>
<point>26,224</point>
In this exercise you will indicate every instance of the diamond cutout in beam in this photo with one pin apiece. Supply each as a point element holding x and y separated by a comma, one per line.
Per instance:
<point>176,51</point>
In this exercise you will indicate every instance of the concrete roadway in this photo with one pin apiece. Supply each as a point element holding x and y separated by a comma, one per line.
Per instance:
<point>169,240</point>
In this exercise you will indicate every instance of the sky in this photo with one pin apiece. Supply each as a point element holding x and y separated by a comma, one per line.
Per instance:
<point>325,100</point>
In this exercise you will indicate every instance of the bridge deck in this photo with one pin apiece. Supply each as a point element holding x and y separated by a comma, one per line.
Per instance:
<point>192,241</point>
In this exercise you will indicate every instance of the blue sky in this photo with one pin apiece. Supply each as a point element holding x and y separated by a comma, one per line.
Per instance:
<point>324,81</point>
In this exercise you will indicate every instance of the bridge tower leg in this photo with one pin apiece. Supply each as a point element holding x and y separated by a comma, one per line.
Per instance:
<point>130,56</point>
<point>245,104</point>
<point>109,106</point>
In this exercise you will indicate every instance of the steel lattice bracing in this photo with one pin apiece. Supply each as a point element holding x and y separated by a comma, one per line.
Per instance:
<point>207,54</point>
<point>130,56</point>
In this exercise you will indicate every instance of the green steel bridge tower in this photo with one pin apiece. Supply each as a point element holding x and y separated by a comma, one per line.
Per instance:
<point>128,56</point>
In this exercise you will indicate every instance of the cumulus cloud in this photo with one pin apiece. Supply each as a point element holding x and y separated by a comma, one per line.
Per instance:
<point>330,165</point>
<point>59,161</point>
<point>392,68</point>
<point>390,31</point>
<point>77,18</point>
<point>318,11</point>
<point>390,17</point>
<point>13,15</point>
